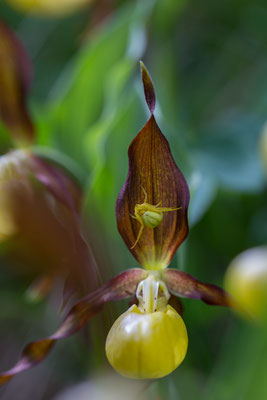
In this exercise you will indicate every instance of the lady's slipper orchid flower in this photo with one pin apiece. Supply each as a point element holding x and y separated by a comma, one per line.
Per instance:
<point>150,339</point>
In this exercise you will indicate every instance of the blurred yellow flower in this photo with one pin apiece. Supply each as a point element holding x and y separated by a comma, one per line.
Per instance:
<point>48,7</point>
<point>263,146</point>
<point>246,281</point>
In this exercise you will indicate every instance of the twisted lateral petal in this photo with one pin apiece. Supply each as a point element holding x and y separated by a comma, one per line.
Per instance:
<point>153,172</point>
<point>120,287</point>
<point>181,284</point>
<point>15,76</point>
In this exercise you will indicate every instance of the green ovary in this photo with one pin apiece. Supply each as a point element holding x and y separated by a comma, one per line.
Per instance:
<point>147,345</point>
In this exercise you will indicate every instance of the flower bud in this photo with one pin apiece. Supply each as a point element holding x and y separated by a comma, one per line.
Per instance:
<point>147,345</point>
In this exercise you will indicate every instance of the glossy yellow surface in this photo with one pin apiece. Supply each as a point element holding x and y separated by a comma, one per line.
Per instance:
<point>246,281</point>
<point>147,345</point>
<point>48,7</point>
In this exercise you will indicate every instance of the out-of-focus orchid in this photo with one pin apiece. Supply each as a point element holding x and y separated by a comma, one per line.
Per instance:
<point>48,7</point>
<point>150,339</point>
<point>263,146</point>
<point>40,203</point>
<point>39,220</point>
<point>246,281</point>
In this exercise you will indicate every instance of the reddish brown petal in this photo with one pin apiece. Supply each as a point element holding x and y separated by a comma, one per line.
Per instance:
<point>57,182</point>
<point>15,72</point>
<point>181,284</point>
<point>120,287</point>
<point>152,167</point>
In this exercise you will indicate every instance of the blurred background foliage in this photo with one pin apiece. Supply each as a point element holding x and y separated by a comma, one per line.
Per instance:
<point>208,61</point>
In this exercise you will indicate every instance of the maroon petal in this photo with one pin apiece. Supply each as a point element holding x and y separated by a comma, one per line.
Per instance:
<point>120,287</point>
<point>153,169</point>
<point>57,182</point>
<point>15,74</point>
<point>181,284</point>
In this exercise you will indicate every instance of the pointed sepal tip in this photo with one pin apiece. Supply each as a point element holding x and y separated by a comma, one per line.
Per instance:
<point>148,88</point>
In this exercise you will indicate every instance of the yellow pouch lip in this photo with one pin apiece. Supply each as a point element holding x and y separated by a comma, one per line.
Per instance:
<point>147,345</point>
